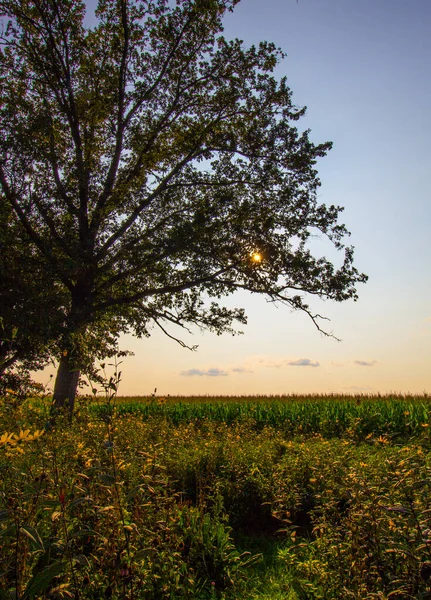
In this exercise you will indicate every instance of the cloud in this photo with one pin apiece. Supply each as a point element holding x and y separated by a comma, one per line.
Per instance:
<point>365,363</point>
<point>303,362</point>
<point>214,372</point>
<point>286,362</point>
<point>247,367</point>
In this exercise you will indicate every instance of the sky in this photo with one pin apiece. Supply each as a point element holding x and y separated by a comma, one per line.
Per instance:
<point>362,68</point>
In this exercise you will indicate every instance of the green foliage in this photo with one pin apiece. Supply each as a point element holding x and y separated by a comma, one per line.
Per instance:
<point>17,384</point>
<point>153,508</point>
<point>29,300</point>
<point>353,417</point>
<point>370,523</point>
<point>81,517</point>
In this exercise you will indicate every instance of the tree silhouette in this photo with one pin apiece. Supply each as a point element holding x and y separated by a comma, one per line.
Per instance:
<point>147,160</point>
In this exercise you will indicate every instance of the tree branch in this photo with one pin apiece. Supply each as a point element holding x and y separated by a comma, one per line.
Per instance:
<point>172,337</point>
<point>133,242</point>
<point>277,297</point>
<point>31,232</point>
<point>59,184</point>
<point>142,205</point>
<point>51,225</point>
<point>168,289</point>
<point>120,122</point>
<point>163,70</point>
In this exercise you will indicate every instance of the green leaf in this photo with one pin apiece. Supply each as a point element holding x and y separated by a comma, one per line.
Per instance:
<point>42,579</point>
<point>82,560</point>
<point>33,536</point>
<point>107,479</point>
<point>133,492</point>
<point>79,501</point>
<point>420,484</point>
<point>83,533</point>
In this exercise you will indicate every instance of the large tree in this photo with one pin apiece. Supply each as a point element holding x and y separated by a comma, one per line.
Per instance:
<point>155,167</point>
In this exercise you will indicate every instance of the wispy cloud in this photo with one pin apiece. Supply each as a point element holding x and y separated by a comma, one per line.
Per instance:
<point>241,370</point>
<point>214,372</point>
<point>303,362</point>
<point>365,363</point>
<point>249,366</point>
<point>286,362</point>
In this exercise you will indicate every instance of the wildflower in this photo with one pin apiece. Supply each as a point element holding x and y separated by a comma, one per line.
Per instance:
<point>7,438</point>
<point>381,440</point>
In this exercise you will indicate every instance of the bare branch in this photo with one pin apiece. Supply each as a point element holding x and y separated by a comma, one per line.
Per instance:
<point>172,337</point>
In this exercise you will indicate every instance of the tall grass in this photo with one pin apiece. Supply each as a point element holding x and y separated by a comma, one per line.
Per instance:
<point>357,417</point>
<point>159,503</point>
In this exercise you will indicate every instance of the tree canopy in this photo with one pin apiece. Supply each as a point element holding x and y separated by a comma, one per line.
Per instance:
<point>146,161</point>
<point>30,302</point>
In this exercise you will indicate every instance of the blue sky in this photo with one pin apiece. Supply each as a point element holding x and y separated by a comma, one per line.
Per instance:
<point>363,70</point>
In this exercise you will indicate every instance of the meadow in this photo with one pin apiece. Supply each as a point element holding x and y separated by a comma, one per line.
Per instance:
<point>320,497</point>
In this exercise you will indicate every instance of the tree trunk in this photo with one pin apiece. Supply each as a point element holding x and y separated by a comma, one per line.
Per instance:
<point>66,384</point>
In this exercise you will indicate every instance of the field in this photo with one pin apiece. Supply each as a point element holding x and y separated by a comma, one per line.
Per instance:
<point>272,498</point>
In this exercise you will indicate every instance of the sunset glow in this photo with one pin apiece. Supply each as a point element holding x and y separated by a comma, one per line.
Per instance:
<point>376,170</point>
